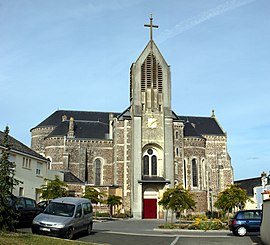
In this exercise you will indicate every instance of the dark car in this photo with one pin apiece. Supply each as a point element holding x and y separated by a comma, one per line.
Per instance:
<point>43,204</point>
<point>26,208</point>
<point>246,221</point>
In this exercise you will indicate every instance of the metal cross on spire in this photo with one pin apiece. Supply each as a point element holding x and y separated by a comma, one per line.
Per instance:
<point>151,27</point>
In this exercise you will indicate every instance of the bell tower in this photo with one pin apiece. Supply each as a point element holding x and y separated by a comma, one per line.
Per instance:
<point>152,128</point>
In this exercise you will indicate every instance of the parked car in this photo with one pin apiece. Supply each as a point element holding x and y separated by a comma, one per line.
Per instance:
<point>246,221</point>
<point>64,217</point>
<point>43,204</point>
<point>26,208</point>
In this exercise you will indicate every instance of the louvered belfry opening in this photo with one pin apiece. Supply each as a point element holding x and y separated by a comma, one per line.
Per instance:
<point>151,83</point>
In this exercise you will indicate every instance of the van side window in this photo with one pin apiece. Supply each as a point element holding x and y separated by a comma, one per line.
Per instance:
<point>87,208</point>
<point>78,211</point>
<point>30,203</point>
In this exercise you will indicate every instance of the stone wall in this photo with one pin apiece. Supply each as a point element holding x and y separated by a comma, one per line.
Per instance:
<point>194,148</point>
<point>79,157</point>
<point>219,163</point>
<point>37,138</point>
<point>178,139</point>
<point>122,159</point>
<point>201,201</point>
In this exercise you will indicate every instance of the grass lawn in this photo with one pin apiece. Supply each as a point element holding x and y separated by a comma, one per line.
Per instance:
<point>7,238</point>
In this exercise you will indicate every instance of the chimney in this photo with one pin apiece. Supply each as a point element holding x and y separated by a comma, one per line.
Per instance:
<point>71,128</point>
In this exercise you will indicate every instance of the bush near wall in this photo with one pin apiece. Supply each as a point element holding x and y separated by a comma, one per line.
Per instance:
<point>199,223</point>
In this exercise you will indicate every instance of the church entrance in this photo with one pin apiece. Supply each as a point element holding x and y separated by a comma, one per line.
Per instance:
<point>150,197</point>
<point>150,208</point>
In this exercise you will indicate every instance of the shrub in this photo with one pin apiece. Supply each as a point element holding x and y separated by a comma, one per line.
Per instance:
<point>173,226</point>
<point>121,215</point>
<point>205,224</point>
<point>105,214</point>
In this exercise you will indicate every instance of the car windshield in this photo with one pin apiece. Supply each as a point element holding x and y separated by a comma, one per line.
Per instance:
<point>60,209</point>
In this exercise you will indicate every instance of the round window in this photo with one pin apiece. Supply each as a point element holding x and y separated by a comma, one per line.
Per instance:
<point>150,151</point>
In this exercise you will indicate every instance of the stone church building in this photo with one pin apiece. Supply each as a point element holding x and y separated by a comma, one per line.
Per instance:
<point>142,151</point>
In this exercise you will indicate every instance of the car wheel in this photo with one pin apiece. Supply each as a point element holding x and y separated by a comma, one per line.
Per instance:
<point>241,231</point>
<point>69,233</point>
<point>89,229</point>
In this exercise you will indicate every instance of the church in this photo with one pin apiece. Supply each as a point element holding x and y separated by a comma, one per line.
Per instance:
<point>140,152</point>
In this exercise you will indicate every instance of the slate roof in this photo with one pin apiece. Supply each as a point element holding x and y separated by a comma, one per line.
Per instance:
<point>82,129</point>
<point>204,125</point>
<point>55,118</point>
<point>87,124</point>
<point>95,125</point>
<point>249,184</point>
<point>190,131</point>
<point>20,147</point>
<point>71,178</point>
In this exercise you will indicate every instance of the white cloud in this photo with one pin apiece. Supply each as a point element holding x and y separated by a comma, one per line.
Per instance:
<point>200,18</point>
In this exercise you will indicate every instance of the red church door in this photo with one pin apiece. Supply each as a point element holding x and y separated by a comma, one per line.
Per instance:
<point>149,208</point>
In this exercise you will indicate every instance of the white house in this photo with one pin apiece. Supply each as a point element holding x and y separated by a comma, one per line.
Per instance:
<point>257,188</point>
<point>31,168</point>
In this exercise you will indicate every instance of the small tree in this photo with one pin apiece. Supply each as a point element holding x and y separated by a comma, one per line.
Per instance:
<point>113,201</point>
<point>165,202</point>
<point>53,189</point>
<point>231,198</point>
<point>94,195</point>
<point>7,184</point>
<point>178,199</point>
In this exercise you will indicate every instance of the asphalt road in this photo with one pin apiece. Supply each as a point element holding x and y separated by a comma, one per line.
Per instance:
<point>133,232</point>
<point>144,232</point>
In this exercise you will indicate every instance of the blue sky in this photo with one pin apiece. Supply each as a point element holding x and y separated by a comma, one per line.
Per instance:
<point>76,55</point>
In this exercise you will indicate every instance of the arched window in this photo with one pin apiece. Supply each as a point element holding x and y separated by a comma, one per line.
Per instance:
<point>150,163</point>
<point>177,151</point>
<point>154,165</point>
<point>49,166</point>
<point>176,135</point>
<point>146,165</point>
<point>194,173</point>
<point>98,168</point>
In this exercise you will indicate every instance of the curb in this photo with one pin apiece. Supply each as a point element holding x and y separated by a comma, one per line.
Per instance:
<point>190,231</point>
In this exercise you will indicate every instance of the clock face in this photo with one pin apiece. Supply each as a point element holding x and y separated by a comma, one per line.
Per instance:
<point>152,122</point>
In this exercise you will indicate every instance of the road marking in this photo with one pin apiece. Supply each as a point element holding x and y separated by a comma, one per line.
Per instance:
<point>166,235</point>
<point>138,234</point>
<point>175,240</point>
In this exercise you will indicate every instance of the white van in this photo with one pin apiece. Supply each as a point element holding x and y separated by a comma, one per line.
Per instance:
<point>64,217</point>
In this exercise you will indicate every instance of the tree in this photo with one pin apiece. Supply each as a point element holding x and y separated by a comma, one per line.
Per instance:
<point>7,183</point>
<point>94,195</point>
<point>165,202</point>
<point>113,201</point>
<point>177,199</point>
<point>53,189</point>
<point>231,198</point>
